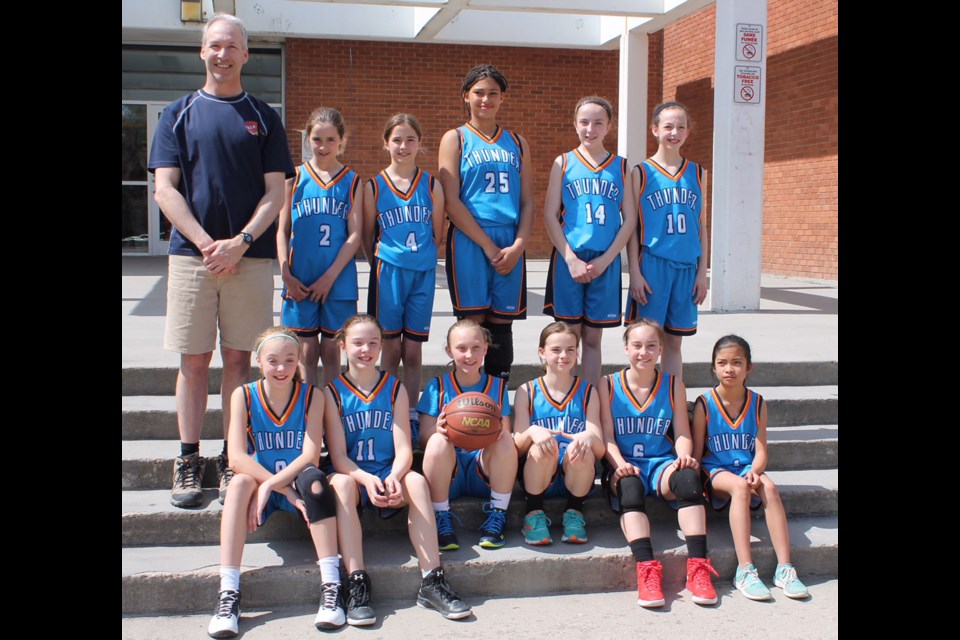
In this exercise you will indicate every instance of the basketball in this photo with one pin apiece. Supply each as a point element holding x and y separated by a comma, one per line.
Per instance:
<point>473,420</point>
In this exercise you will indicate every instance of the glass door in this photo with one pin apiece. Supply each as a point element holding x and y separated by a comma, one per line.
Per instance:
<point>144,229</point>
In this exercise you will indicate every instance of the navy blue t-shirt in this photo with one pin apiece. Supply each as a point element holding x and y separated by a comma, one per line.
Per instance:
<point>223,147</point>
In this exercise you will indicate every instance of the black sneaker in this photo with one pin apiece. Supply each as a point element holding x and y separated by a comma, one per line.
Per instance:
<point>492,534</point>
<point>224,476</point>
<point>446,538</point>
<point>187,473</point>
<point>226,618</point>
<point>435,593</point>
<point>359,611</point>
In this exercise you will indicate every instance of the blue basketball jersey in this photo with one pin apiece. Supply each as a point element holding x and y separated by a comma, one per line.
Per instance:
<point>404,236</point>
<point>367,421</point>
<point>442,389</point>
<point>490,175</point>
<point>590,199</point>
<point>642,429</point>
<point>670,210</point>
<point>564,417</point>
<point>276,440</point>
<point>318,228</point>
<point>731,440</point>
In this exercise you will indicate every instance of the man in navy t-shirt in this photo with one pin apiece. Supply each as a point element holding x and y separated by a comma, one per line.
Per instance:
<point>220,158</point>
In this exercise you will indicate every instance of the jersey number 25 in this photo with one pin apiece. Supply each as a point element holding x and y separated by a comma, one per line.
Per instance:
<point>496,179</point>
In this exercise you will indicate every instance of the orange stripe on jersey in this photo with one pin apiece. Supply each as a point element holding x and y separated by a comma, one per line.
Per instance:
<point>589,165</point>
<point>653,391</point>
<point>334,180</point>
<point>287,410</point>
<point>566,399</point>
<point>493,138</point>
<point>410,190</point>
<point>360,394</point>
<point>734,424</point>
<point>247,399</point>
<point>669,175</point>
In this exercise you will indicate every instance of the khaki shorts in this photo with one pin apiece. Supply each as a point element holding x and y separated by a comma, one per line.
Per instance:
<point>198,302</point>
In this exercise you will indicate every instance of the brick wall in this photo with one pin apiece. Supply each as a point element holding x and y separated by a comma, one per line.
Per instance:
<point>366,81</point>
<point>801,186</point>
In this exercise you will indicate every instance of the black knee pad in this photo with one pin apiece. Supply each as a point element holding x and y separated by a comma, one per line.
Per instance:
<point>685,484</point>
<point>500,353</point>
<point>320,505</point>
<point>632,495</point>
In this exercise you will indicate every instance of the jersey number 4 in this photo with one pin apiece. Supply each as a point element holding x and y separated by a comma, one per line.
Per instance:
<point>496,179</point>
<point>370,455</point>
<point>411,241</point>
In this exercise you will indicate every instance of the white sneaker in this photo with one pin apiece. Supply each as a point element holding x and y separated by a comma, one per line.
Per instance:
<point>331,614</point>
<point>227,616</point>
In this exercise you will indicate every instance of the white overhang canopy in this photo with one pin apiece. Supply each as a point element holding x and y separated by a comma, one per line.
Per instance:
<point>585,24</point>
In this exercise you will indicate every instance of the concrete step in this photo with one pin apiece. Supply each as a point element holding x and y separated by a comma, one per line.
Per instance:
<point>148,464</point>
<point>284,573</point>
<point>155,417</point>
<point>148,518</point>
<point>566,616</point>
<point>158,381</point>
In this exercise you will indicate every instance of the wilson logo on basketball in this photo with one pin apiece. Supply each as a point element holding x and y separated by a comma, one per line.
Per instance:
<point>475,402</point>
<point>480,423</point>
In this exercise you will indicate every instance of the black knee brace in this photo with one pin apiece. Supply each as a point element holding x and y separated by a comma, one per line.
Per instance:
<point>685,484</point>
<point>500,352</point>
<point>321,504</point>
<point>632,495</point>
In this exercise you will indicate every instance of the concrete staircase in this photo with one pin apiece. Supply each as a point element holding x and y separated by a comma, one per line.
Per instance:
<point>170,556</point>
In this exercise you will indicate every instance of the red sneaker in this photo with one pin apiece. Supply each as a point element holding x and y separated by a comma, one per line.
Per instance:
<point>650,584</point>
<point>699,583</point>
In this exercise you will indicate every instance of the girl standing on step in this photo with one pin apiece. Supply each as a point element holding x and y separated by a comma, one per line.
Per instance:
<point>402,222</point>
<point>667,257</point>
<point>730,435</point>
<point>317,241</point>
<point>487,177</point>
<point>590,213</point>
<point>276,430</point>
<point>368,437</point>
<point>649,453</point>
<point>558,434</point>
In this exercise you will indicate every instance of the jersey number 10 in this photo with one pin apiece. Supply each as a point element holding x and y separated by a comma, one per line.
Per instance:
<point>681,224</point>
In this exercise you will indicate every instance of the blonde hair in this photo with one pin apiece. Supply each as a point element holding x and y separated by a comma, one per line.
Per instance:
<point>644,322</point>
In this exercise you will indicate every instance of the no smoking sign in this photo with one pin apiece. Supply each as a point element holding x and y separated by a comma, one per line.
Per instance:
<point>746,84</point>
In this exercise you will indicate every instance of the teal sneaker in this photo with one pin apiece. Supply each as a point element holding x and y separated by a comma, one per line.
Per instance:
<point>786,578</point>
<point>574,527</point>
<point>748,582</point>
<point>536,528</point>
<point>492,534</point>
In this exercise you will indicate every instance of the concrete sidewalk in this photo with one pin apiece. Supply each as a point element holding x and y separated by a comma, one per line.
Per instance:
<point>798,319</point>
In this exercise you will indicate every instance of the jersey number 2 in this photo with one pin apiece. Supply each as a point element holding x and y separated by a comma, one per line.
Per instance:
<point>493,182</point>
<point>324,235</point>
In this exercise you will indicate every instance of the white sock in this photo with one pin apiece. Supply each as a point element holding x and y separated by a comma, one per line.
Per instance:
<point>329,569</point>
<point>441,506</point>
<point>499,500</point>
<point>229,578</point>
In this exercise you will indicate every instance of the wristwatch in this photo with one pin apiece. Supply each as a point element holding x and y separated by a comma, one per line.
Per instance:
<point>246,237</point>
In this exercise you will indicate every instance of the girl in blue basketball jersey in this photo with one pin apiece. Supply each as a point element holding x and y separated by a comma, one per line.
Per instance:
<point>487,178</point>
<point>590,214</point>
<point>402,222</point>
<point>650,453</point>
<point>452,472</point>
<point>368,437</point>
<point>317,241</point>
<point>557,429</point>
<point>276,431</point>
<point>730,437</point>
<point>667,256</point>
